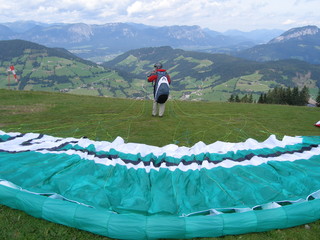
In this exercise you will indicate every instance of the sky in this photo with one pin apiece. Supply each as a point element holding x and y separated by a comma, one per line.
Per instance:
<point>218,15</point>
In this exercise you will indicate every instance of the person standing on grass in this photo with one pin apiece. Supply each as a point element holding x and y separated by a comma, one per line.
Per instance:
<point>161,81</point>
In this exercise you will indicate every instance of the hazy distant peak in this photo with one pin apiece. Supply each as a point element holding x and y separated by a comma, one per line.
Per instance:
<point>296,33</point>
<point>186,32</point>
<point>81,29</point>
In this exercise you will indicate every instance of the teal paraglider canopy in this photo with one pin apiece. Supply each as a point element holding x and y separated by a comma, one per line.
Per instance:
<point>137,191</point>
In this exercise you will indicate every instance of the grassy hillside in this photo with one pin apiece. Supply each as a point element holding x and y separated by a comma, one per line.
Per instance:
<point>213,77</point>
<point>56,70</point>
<point>184,124</point>
<point>102,118</point>
<point>195,75</point>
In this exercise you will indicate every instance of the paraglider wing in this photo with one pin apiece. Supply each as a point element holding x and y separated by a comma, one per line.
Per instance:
<point>137,191</point>
<point>12,70</point>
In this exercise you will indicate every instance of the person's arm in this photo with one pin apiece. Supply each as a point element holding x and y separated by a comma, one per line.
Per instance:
<point>152,77</point>
<point>169,79</point>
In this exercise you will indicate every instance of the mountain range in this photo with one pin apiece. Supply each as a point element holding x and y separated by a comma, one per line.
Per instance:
<point>195,75</point>
<point>98,42</point>
<point>298,43</point>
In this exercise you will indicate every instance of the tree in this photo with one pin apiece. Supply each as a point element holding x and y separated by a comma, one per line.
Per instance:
<point>231,99</point>
<point>288,96</point>
<point>295,96</point>
<point>304,96</point>
<point>280,95</point>
<point>318,99</point>
<point>244,98</point>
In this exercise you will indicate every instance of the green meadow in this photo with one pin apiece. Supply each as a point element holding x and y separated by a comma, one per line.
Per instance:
<point>184,123</point>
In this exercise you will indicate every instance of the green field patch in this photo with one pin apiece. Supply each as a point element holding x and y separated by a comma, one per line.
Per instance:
<point>252,86</point>
<point>207,94</point>
<point>40,73</point>
<point>252,77</point>
<point>84,91</point>
<point>189,82</point>
<point>3,83</point>
<point>107,92</point>
<point>138,83</point>
<point>63,71</point>
<point>75,82</point>
<point>179,58</point>
<point>80,71</point>
<point>98,70</point>
<point>216,96</point>
<point>120,94</point>
<point>139,67</point>
<point>209,81</point>
<point>119,82</point>
<point>252,83</point>
<point>61,86</point>
<point>227,86</point>
<point>201,63</point>
<point>173,74</point>
<point>171,70</point>
<point>29,64</point>
<point>130,60</point>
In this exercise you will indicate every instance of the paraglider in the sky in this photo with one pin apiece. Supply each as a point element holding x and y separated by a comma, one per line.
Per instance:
<point>12,70</point>
<point>317,124</point>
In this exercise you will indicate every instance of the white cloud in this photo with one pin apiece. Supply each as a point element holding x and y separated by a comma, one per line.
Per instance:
<point>289,22</point>
<point>46,10</point>
<point>136,7</point>
<point>216,14</point>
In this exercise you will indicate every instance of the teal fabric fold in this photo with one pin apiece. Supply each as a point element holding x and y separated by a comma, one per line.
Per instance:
<point>120,192</point>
